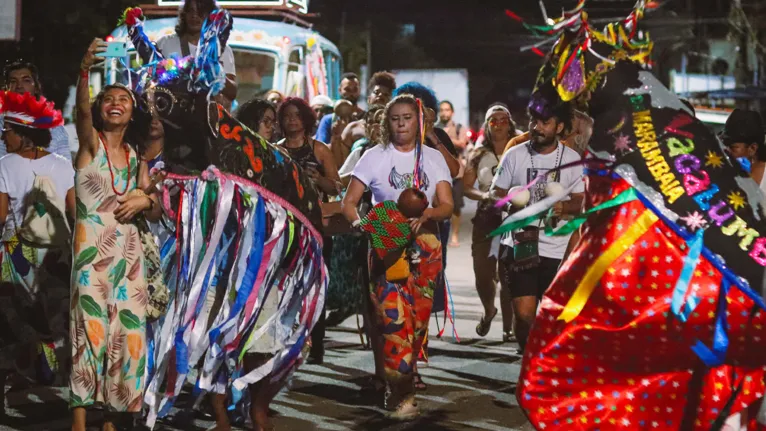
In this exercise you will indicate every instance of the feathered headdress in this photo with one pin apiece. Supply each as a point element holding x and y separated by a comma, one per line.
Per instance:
<point>26,110</point>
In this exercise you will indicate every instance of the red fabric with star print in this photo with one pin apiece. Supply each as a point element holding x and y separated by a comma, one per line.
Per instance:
<point>625,361</point>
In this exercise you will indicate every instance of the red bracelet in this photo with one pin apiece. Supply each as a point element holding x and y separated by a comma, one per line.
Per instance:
<point>84,74</point>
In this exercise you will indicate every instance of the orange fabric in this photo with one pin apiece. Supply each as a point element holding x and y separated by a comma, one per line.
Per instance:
<point>524,137</point>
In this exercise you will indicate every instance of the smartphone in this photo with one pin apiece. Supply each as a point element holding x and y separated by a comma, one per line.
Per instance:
<point>114,49</point>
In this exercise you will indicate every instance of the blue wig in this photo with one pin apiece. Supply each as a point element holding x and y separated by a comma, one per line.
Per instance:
<point>419,91</point>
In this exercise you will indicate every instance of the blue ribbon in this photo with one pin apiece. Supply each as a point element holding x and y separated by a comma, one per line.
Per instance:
<point>717,355</point>
<point>253,265</point>
<point>682,285</point>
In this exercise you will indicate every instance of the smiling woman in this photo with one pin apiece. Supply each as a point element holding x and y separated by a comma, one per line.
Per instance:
<point>109,295</point>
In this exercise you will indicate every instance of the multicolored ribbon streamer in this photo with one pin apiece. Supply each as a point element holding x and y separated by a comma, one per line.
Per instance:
<point>682,285</point>
<point>589,281</point>
<point>715,356</point>
<point>628,195</point>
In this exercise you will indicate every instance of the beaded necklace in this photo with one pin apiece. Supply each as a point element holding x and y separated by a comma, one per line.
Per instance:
<point>109,163</point>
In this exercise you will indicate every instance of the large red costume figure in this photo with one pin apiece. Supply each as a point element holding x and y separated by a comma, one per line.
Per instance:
<point>656,321</point>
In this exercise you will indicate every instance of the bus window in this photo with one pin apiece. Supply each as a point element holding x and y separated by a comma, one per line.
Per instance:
<point>295,78</point>
<point>255,73</point>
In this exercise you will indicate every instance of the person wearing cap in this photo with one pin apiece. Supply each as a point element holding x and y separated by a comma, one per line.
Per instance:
<point>35,274</point>
<point>481,167</point>
<point>743,136</point>
<point>531,258</point>
<point>22,77</point>
<point>322,105</point>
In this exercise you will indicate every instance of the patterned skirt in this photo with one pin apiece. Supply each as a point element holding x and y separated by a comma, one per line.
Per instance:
<point>34,299</point>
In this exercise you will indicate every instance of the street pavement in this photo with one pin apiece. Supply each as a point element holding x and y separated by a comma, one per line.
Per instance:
<point>470,384</point>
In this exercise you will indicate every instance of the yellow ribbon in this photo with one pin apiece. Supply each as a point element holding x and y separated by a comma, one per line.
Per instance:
<point>596,271</point>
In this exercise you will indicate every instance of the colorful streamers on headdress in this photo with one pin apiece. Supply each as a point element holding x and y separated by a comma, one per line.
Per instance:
<point>207,74</point>
<point>28,111</point>
<point>567,70</point>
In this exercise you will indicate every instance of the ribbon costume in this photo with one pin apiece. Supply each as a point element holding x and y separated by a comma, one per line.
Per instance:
<point>243,260</point>
<point>656,320</point>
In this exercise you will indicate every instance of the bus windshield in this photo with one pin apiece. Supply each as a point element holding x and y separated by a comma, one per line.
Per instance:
<point>255,73</point>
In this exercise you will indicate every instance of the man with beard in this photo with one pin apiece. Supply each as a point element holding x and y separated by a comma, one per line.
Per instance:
<point>531,257</point>
<point>350,90</point>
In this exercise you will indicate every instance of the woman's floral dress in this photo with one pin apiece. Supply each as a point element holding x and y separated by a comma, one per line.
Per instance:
<point>109,294</point>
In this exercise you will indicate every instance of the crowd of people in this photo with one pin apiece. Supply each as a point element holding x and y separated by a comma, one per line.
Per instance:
<point>86,292</point>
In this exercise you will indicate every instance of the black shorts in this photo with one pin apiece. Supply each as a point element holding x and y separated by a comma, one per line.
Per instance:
<point>457,195</point>
<point>529,282</point>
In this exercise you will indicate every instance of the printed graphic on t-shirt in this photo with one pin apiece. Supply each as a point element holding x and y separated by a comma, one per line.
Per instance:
<point>404,181</point>
<point>538,190</point>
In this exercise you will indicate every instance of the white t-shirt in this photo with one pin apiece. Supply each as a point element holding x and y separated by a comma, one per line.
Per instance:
<point>516,169</point>
<point>171,44</point>
<point>17,177</point>
<point>387,172</point>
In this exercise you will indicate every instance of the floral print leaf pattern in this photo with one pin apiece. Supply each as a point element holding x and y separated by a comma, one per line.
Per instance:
<point>136,404</point>
<point>108,205</point>
<point>132,246</point>
<point>84,378</point>
<point>82,210</point>
<point>90,306</point>
<point>122,293</point>
<point>85,257</point>
<point>136,347</point>
<point>95,219</point>
<point>118,272</point>
<point>103,288</point>
<point>129,320</point>
<point>141,367</point>
<point>96,185</point>
<point>122,391</point>
<point>96,333</point>
<point>142,296</point>
<point>106,240</point>
<point>134,270</point>
<point>102,264</point>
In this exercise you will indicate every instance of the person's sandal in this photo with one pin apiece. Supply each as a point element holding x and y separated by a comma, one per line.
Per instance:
<point>418,382</point>
<point>482,328</point>
<point>509,337</point>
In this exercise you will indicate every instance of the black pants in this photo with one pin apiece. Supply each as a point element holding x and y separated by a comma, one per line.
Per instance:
<point>318,333</point>
<point>529,282</point>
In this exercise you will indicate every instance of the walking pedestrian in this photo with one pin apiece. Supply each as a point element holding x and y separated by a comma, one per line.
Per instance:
<point>459,136</point>
<point>482,165</point>
<point>403,307</point>
<point>531,258</point>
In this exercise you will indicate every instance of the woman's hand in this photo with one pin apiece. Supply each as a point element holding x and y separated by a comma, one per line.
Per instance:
<point>96,47</point>
<point>417,223</point>
<point>130,205</point>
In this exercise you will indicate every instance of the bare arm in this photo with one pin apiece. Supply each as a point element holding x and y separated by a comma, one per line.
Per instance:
<point>351,200</point>
<point>86,134</point>
<point>329,182</point>
<point>230,89</point>
<point>452,162</point>
<point>469,179</point>
<point>155,211</point>
<point>71,206</point>
<point>352,132</point>
<point>5,203</point>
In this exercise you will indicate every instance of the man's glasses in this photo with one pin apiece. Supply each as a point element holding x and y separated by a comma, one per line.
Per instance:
<point>5,130</point>
<point>498,121</point>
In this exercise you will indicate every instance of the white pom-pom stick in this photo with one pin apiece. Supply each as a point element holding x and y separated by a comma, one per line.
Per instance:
<point>554,189</point>
<point>521,198</point>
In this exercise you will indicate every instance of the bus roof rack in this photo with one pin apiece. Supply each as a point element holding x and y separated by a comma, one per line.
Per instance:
<point>283,13</point>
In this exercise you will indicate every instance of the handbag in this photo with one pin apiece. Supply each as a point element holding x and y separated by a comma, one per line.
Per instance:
<point>159,295</point>
<point>525,249</point>
<point>44,223</point>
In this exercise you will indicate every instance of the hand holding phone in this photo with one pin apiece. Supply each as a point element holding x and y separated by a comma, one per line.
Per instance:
<point>114,49</point>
